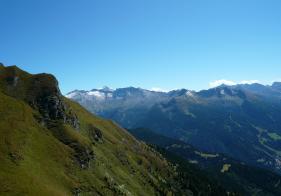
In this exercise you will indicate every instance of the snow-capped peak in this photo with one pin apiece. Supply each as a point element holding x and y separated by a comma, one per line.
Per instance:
<point>189,93</point>
<point>97,94</point>
<point>72,94</point>
<point>106,88</point>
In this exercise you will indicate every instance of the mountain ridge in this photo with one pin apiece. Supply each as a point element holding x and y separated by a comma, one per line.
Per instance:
<point>242,120</point>
<point>108,89</point>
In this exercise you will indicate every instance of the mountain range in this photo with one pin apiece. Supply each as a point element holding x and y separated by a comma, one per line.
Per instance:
<point>241,121</point>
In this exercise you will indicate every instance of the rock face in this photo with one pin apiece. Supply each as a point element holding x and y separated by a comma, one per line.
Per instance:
<point>95,134</point>
<point>82,155</point>
<point>48,100</point>
<point>41,92</point>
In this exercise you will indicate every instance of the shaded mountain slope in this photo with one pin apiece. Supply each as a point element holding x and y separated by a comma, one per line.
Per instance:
<point>238,123</point>
<point>230,173</point>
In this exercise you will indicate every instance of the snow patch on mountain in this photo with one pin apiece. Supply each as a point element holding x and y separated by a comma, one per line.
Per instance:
<point>230,82</point>
<point>189,93</point>
<point>157,89</point>
<point>97,94</point>
<point>71,95</point>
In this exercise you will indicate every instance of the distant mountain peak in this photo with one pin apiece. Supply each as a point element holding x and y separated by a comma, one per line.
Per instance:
<point>106,88</point>
<point>224,86</point>
<point>276,84</point>
<point>189,93</point>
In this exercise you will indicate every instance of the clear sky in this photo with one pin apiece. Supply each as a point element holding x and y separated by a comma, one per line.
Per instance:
<point>144,43</point>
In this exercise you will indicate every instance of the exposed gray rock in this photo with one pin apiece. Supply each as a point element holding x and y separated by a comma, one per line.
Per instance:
<point>41,92</point>
<point>95,134</point>
<point>47,98</point>
<point>83,155</point>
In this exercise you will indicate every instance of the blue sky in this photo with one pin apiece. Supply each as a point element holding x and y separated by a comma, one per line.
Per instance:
<point>144,43</point>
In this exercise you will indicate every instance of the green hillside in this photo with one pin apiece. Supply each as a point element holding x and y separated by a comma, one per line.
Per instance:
<point>52,146</point>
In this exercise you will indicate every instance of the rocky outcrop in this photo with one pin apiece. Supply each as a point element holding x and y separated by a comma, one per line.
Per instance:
<point>82,154</point>
<point>41,92</point>
<point>95,134</point>
<point>46,97</point>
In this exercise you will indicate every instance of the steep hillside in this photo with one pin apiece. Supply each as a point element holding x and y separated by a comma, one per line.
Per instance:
<point>52,146</point>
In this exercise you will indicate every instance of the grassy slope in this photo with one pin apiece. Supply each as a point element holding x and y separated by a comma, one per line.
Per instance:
<point>30,161</point>
<point>118,152</point>
<point>35,161</point>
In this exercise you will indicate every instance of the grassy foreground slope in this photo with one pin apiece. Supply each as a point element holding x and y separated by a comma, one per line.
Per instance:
<point>52,146</point>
